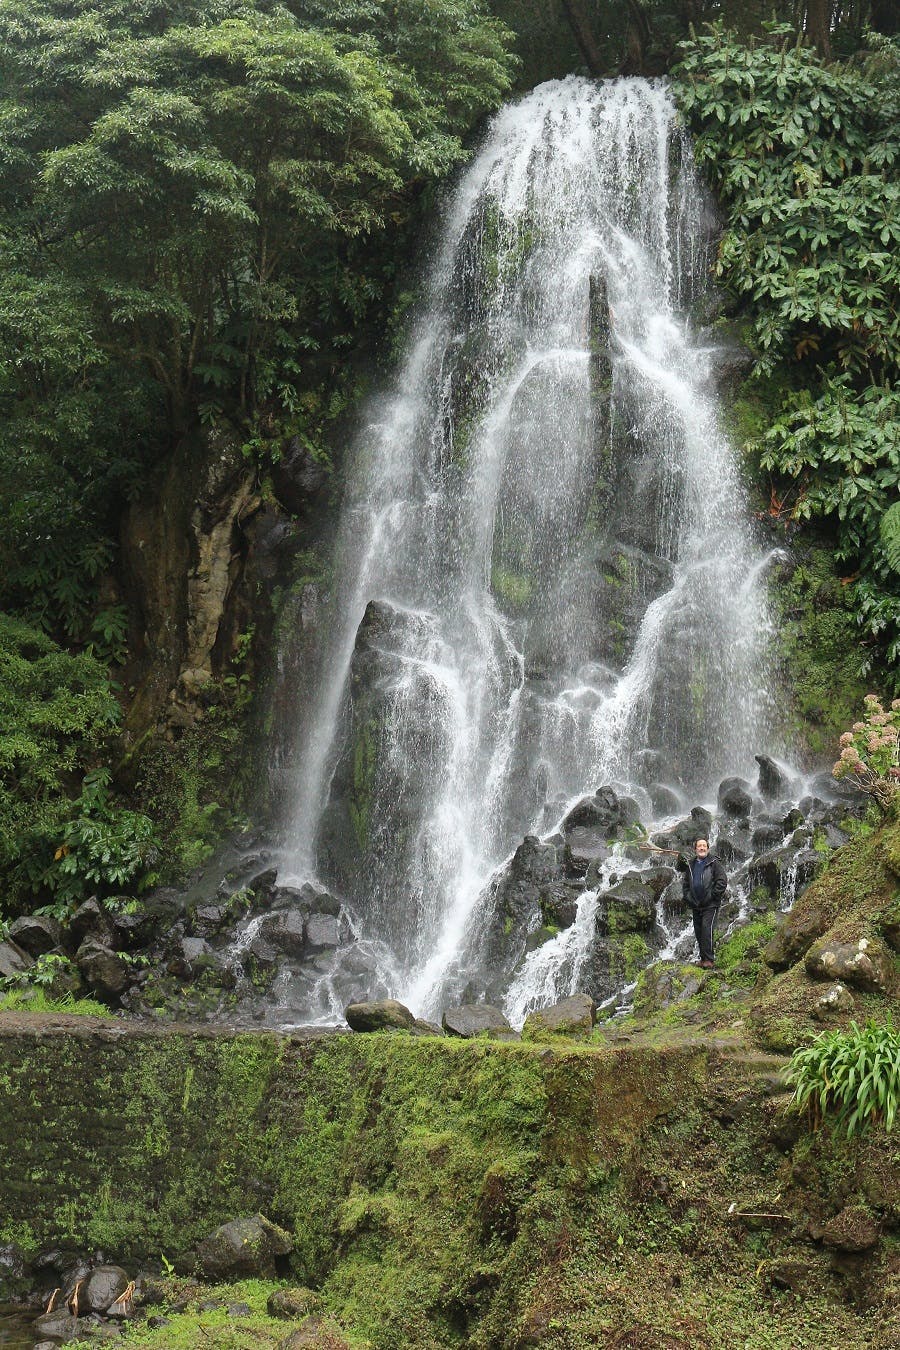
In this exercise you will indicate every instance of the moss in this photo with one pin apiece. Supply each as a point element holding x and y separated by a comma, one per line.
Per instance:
<point>513,589</point>
<point>443,1192</point>
<point>818,650</point>
<point>365,766</point>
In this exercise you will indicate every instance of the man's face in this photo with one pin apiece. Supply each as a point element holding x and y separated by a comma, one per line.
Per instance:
<point>701,848</point>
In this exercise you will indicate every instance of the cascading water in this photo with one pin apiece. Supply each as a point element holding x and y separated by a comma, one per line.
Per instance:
<point>544,578</point>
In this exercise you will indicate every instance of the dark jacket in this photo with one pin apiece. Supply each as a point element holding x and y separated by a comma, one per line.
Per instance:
<point>713,883</point>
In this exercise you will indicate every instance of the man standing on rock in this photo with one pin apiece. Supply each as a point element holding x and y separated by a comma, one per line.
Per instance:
<point>704,883</point>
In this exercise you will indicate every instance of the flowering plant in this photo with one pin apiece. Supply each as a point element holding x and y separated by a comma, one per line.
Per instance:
<point>871,751</point>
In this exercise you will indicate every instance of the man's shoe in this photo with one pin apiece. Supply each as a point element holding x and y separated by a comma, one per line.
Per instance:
<point>707,965</point>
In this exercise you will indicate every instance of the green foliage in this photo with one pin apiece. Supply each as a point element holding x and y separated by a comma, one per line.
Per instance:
<point>803,158</point>
<point>61,832</point>
<point>850,1078</point>
<point>189,195</point>
<point>104,848</point>
<point>32,1000</point>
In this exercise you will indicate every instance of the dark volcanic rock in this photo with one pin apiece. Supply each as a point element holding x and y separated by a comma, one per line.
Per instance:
<point>685,834</point>
<point>91,920</point>
<point>664,800</point>
<point>474,1019</point>
<point>774,784</point>
<point>533,877</point>
<point>244,1247</point>
<point>322,931</point>
<point>104,970</point>
<point>285,930</point>
<point>572,1016</point>
<point>627,907</point>
<point>104,1286</point>
<point>13,960</point>
<point>36,933</point>
<point>734,797</point>
<point>384,1014</point>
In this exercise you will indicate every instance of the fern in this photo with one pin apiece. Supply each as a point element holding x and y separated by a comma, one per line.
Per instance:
<point>890,536</point>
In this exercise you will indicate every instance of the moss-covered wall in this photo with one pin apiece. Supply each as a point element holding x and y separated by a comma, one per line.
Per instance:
<point>443,1193</point>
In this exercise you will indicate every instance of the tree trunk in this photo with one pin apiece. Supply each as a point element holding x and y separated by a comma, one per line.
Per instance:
<point>637,39</point>
<point>818,26</point>
<point>576,13</point>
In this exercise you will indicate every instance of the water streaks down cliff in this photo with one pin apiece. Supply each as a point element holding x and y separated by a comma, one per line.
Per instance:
<point>544,579</point>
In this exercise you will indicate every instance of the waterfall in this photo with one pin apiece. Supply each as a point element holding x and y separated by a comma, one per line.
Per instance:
<point>544,578</point>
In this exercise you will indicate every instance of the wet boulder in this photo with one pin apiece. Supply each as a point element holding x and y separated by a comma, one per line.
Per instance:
<point>58,1327</point>
<point>685,833</point>
<point>91,920</point>
<point>105,1285</point>
<point>627,907</point>
<point>865,965</point>
<point>102,969</point>
<point>664,799</point>
<point>285,931</point>
<point>664,984</point>
<point>836,1001</point>
<point>733,847</point>
<point>589,829</point>
<point>532,878</point>
<point>323,931</point>
<point>767,833</point>
<point>601,812</point>
<point>784,873</point>
<point>381,1015</point>
<point>475,1019</point>
<point>244,1248</point>
<point>36,934</point>
<point>572,1016</point>
<point>733,798</point>
<point>658,879</point>
<point>774,782</point>
<point>13,960</point>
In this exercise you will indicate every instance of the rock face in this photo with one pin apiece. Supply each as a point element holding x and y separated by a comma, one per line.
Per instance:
<point>244,1248</point>
<point>531,884</point>
<point>383,1015</point>
<point>573,1016</point>
<point>865,965</point>
<point>475,1019</point>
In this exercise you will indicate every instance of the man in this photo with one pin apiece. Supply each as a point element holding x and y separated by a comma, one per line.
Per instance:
<point>704,883</point>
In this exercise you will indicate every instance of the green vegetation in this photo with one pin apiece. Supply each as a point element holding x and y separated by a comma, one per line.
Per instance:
<point>802,155</point>
<point>63,835</point>
<point>849,1078</point>
<point>443,1193</point>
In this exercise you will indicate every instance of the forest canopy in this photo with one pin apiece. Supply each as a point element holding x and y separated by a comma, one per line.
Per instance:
<point>188,195</point>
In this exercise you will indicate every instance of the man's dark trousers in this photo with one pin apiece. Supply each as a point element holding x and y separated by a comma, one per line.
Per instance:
<point>704,921</point>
